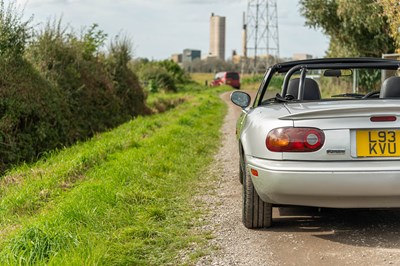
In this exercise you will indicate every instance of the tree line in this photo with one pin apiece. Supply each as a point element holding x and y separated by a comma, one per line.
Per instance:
<point>359,28</point>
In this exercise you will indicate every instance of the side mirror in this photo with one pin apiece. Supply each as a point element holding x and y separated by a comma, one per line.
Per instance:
<point>240,98</point>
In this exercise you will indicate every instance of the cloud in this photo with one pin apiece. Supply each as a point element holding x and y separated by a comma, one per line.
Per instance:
<point>203,2</point>
<point>48,3</point>
<point>42,2</point>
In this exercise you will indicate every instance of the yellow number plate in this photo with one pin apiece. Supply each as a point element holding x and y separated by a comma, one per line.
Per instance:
<point>378,143</point>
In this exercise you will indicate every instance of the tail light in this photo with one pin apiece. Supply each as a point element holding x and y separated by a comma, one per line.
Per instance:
<point>295,139</point>
<point>383,118</point>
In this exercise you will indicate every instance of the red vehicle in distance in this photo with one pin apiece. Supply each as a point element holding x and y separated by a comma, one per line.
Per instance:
<point>226,78</point>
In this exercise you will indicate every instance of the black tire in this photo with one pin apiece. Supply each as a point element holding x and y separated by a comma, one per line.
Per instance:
<point>241,167</point>
<point>241,174</point>
<point>256,213</point>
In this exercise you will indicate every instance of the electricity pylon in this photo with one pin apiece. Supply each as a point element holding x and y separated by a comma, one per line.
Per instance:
<point>262,36</point>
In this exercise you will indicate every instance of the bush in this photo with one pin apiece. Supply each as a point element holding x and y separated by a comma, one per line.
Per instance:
<point>163,75</point>
<point>32,111</point>
<point>14,32</point>
<point>157,78</point>
<point>177,73</point>
<point>126,83</point>
<point>101,92</point>
<point>62,89</point>
<point>33,114</point>
<point>63,60</point>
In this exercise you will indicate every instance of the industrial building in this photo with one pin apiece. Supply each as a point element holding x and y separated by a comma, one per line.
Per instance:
<point>177,58</point>
<point>189,55</point>
<point>217,37</point>
<point>301,56</point>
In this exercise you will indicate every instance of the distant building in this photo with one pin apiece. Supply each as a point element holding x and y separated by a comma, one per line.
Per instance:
<point>189,55</point>
<point>237,59</point>
<point>301,56</point>
<point>217,37</point>
<point>177,58</point>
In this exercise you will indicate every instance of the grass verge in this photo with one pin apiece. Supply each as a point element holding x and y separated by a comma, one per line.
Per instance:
<point>122,198</point>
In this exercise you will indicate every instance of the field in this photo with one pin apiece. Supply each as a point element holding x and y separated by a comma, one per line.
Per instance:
<point>125,197</point>
<point>248,82</point>
<point>202,78</point>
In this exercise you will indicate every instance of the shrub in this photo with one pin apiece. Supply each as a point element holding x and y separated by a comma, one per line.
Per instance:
<point>178,74</point>
<point>126,83</point>
<point>162,75</point>
<point>62,89</point>
<point>14,32</point>
<point>32,111</point>
<point>157,78</point>
<point>63,59</point>
<point>100,92</point>
<point>33,114</point>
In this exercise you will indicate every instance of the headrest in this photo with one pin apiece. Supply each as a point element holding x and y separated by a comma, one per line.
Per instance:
<point>390,88</point>
<point>311,89</point>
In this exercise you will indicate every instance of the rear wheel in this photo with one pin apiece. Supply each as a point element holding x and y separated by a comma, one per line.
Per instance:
<point>256,213</point>
<point>242,167</point>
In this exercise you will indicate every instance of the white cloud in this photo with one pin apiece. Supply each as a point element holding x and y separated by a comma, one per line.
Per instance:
<point>42,2</point>
<point>205,2</point>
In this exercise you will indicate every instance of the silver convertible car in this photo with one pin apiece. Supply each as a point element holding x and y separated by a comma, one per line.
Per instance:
<point>323,133</point>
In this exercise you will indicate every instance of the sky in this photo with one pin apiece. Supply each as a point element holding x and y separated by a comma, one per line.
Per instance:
<point>160,28</point>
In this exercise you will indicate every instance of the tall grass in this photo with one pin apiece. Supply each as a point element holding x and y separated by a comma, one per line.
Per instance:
<point>122,198</point>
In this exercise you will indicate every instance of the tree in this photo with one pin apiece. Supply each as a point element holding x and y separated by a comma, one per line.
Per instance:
<point>391,10</point>
<point>355,28</point>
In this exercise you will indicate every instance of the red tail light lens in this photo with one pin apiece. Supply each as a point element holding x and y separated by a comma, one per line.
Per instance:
<point>295,139</point>
<point>383,118</point>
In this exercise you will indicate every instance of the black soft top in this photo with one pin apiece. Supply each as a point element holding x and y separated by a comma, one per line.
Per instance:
<point>341,62</point>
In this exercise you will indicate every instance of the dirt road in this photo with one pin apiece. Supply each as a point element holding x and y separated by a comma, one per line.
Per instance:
<point>300,236</point>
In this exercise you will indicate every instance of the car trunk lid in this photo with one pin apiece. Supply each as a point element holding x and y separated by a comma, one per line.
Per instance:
<point>350,133</point>
<point>341,110</point>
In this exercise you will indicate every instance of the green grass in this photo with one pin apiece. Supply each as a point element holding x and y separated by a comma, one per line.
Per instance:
<point>122,198</point>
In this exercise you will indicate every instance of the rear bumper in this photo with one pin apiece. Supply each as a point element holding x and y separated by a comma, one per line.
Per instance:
<point>328,184</point>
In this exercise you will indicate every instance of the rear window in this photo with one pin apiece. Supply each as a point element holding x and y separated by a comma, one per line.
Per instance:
<point>232,75</point>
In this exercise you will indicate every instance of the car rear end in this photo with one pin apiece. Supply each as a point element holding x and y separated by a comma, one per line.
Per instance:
<point>331,154</point>
<point>330,138</point>
<point>232,79</point>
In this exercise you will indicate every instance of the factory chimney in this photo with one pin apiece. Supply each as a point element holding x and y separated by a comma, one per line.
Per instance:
<point>217,36</point>
<point>244,36</point>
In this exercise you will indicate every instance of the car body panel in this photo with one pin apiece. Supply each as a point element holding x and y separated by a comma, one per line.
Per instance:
<point>363,184</point>
<point>341,109</point>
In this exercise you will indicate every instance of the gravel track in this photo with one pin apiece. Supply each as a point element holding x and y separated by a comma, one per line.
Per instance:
<point>300,236</point>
